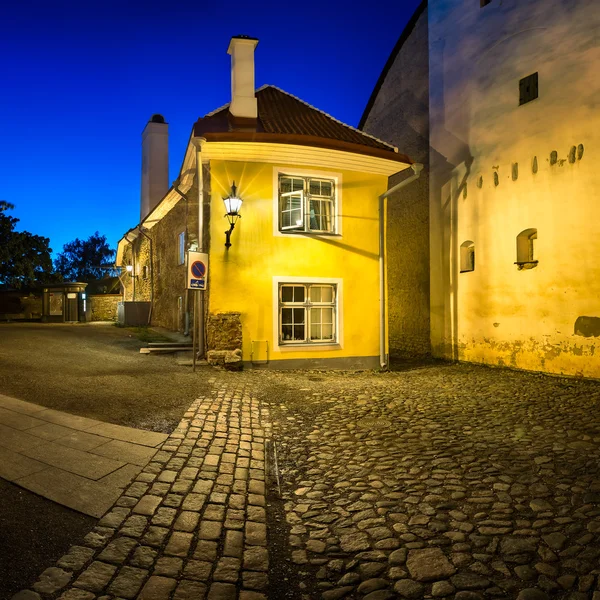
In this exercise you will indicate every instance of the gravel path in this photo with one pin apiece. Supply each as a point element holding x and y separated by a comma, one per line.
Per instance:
<point>96,371</point>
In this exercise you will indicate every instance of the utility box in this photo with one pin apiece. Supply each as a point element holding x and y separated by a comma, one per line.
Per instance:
<point>64,303</point>
<point>133,314</point>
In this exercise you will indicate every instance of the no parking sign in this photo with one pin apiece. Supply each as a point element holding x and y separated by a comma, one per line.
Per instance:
<point>197,270</point>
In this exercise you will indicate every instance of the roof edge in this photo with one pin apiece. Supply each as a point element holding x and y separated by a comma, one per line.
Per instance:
<point>408,29</point>
<point>306,140</point>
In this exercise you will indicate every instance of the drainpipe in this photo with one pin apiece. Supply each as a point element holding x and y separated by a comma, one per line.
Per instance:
<point>141,230</point>
<point>186,326</point>
<point>200,307</point>
<point>417,168</point>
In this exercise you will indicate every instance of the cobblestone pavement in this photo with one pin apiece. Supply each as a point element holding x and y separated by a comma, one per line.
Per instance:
<point>448,481</point>
<point>193,523</point>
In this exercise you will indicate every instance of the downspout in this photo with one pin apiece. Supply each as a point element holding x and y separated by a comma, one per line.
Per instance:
<point>186,326</point>
<point>141,230</point>
<point>200,181</point>
<point>417,168</point>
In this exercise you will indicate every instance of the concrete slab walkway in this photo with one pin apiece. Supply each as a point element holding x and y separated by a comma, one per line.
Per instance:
<point>78,462</point>
<point>192,526</point>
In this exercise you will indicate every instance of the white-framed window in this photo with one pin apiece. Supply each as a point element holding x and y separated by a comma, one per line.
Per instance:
<point>306,202</point>
<point>307,313</point>
<point>181,249</point>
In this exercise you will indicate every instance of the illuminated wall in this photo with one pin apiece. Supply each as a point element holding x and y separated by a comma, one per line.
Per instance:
<point>399,114</point>
<point>243,277</point>
<point>499,168</point>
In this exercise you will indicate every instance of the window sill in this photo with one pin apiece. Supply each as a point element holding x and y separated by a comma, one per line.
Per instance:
<point>310,233</point>
<point>311,347</point>
<point>468,271</point>
<point>526,264</point>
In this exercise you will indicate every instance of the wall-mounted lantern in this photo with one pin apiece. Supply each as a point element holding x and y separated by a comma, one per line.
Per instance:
<point>129,269</point>
<point>233,204</point>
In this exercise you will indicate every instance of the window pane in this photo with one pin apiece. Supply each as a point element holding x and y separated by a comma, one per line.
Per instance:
<point>291,210</point>
<point>290,184</point>
<point>321,327</point>
<point>318,187</point>
<point>287,293</point>
<point>286,332</point>
<point>299,294</point>
<point>286,316</point>
<point>299,333</point>
<point>298,316</point>
<point>321,293</point>
<point>285,185</point>
<point>320,215</point>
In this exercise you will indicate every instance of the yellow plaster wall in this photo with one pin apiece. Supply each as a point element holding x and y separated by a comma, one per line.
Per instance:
<point>498,314</point>
<point>241,278</point>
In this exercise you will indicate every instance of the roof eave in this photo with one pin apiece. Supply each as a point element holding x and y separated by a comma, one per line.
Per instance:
<point>304,140</point>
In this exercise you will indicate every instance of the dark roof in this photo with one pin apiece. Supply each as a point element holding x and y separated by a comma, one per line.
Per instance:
<point>390,61</point>
<point>283,118</point>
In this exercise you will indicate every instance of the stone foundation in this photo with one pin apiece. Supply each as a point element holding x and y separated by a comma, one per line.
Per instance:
<point>224,331</point>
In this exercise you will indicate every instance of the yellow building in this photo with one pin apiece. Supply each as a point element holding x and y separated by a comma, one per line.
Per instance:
<point>298,279</point>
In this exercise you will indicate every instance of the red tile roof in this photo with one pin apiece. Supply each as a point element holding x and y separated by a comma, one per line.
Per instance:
<point>283,118</point>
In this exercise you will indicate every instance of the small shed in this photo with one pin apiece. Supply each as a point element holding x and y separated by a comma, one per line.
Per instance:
<point>64,303</point>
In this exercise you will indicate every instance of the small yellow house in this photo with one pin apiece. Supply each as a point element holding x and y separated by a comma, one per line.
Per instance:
<point>296,276</point>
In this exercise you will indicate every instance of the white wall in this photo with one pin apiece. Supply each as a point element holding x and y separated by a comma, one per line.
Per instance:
<point>499,314</point>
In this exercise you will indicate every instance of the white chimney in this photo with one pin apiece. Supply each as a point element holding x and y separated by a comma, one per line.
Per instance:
<point>155,164</point>
<point>243,101</point>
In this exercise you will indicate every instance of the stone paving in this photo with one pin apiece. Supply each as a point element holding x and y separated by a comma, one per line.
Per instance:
<point>81,463</point>
<point>193,523</point>
<point>448,481</point>
<point>444,482</point>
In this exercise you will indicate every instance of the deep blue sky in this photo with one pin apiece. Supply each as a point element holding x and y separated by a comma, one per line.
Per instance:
<point>80,79</point>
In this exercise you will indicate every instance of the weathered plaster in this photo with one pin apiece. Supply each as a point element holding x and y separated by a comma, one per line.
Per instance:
<point>499,314</point>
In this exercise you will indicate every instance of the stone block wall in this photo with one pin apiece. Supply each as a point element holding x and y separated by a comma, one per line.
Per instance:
<point>103,307</point>
<point>224,331</point>
<point>399,113</point>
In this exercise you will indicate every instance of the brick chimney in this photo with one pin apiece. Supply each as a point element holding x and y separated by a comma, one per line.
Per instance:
<point>155,164</point>
<point>243,101</point>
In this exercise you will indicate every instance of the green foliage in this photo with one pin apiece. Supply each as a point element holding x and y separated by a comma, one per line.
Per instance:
<point>85,260</point>
<point>24,257</point>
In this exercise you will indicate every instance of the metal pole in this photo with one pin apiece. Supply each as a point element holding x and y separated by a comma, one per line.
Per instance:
<point>194,336</point>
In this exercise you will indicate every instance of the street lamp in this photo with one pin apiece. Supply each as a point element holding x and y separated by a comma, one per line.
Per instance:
<point>233,204</point>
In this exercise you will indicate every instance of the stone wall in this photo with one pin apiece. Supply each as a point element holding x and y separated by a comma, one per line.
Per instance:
<point>224,331</point>
<point>16,305</point>
<point>158,275</point>
<point>103,307</point>
<point>398,113</point>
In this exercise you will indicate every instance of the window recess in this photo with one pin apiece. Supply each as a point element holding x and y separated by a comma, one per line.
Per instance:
<point>307,204</point>
<point>307,313</point>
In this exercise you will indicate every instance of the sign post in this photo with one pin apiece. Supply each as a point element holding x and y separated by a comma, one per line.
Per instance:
<point>197,277</point>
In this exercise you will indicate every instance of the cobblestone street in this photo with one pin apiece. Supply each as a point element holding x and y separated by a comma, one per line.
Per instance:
<point>446,481</point>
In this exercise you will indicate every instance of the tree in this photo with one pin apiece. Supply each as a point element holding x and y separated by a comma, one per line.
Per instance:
<point>85,260</point>
<point>24,257</point>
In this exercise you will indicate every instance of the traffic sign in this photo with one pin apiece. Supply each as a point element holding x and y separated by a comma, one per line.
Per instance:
<point>197,273</point>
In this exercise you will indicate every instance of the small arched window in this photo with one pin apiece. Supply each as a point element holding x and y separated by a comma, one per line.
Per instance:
<point>526,249</point>
<point>467,256</point>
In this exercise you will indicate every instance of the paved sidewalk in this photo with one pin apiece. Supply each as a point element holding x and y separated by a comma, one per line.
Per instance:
<point>192,524</point>
<point>78,462</point>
